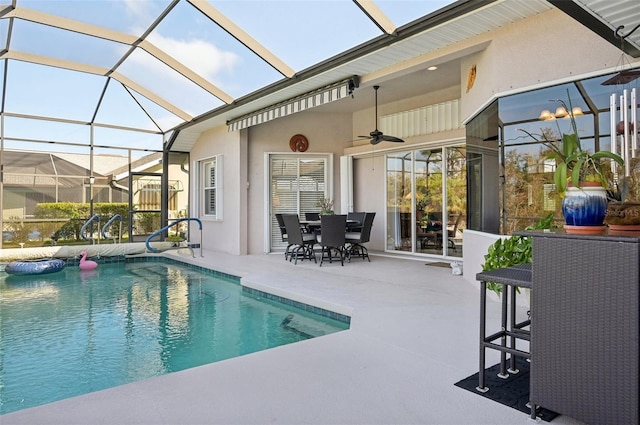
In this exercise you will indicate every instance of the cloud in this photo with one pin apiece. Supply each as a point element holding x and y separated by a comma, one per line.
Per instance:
<point>136,8</point>
<point>201,56</point>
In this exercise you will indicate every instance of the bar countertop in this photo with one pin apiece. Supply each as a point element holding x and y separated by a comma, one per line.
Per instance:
<point>608,235</point>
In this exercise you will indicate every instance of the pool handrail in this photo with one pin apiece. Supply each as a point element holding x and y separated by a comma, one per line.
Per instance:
<point>84,228</point>
<point>180,220</point>
<point>108,223</point>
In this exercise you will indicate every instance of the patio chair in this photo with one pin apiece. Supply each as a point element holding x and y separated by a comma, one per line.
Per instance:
<point>451,233</point>
<point>356,239</point>
<point>433,229</point>
<point>283,234</point>
<point>301,243</point>
<point>312,216</point>
<point>428,238</point>
<point>358,218</point>
<point>332,237</point>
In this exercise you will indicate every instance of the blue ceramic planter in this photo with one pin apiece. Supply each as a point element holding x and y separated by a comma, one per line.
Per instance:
<point>585,206</point>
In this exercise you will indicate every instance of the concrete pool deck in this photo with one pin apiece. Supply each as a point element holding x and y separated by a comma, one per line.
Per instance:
<point>414,333</point>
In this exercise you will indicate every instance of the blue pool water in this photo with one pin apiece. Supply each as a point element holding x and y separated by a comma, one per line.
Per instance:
<point>75,332</point>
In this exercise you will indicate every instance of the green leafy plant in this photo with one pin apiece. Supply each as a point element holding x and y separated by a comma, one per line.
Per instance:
<point>326,206</point>
<point>512,251</point>
<point>573,163</point>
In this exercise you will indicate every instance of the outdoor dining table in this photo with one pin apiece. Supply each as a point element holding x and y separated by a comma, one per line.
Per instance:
<point>313,225</point>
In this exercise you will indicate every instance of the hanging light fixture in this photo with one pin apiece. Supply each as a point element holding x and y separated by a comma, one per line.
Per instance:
<point>546,115</point>
<point>561,112</point>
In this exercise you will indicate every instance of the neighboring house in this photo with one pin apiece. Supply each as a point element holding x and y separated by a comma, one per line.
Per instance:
<point>31,178</point>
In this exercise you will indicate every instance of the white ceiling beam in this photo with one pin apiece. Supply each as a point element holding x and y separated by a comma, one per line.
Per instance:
<point>152,96</point>
<point>78,122</point>
<point>119,37</point>
<point>71,25</point>
<point>185,71</point>
<point>97,70</point>
<point>376,15</point>
<point>239,34</point>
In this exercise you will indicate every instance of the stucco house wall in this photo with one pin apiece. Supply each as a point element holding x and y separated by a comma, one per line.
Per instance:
<point>547,49</point>
<point>229,234</point>
<point>326,132</point>
<point>550,48</point>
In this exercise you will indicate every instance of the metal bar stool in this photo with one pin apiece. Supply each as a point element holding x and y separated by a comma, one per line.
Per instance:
<point>511,278</point>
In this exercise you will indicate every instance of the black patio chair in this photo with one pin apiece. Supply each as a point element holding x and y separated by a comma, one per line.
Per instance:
<point>283,234</point>
<point>301,243</point>
<point>356,239</point>
<point>332,237</point>
<point>312,216</point>
<point>355,220</point>
<point>451,233</point>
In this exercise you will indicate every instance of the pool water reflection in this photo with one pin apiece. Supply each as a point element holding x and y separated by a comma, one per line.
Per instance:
<point>76,331</point>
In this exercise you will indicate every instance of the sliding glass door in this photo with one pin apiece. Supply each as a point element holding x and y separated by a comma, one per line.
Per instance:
<point>426,201</point>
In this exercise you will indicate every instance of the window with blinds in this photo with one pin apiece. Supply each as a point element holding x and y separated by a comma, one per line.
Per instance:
<point>297,185</point>
<point>210,182</point>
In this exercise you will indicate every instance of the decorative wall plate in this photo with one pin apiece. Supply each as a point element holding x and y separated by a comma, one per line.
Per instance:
<point>299,143</point>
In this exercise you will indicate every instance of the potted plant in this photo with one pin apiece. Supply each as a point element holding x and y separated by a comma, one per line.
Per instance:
<point>326,206</point>
<point>512,251</point>
<point>623,214</point>
<point>580,176</point>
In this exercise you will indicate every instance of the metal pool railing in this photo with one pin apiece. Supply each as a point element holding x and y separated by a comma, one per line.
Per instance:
<point>95,217</point>
<point>105,228</point>
<point>189,245</point>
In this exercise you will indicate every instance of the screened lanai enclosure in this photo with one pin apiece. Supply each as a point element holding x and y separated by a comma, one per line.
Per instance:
<point>87,105</point>
<point>102,101</point>
<point>95,93</point>
<point>48,197</point>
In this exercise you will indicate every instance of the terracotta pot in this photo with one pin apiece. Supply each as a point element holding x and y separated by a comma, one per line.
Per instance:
<point>623,214</point>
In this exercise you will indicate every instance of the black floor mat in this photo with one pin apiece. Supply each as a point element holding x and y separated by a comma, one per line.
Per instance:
<point>512,391</point>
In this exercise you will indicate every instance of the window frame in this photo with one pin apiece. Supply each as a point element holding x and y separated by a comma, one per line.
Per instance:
<point>204,185</point>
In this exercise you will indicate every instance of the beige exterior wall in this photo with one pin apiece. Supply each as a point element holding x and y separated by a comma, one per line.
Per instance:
<point>548,49</point>
<point>326,132</point>
<point>544,50</point>
<point>229,234</point>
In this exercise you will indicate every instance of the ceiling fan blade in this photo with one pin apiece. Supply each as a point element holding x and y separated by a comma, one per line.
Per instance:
<point>391,139</point>
<point>376,135</point>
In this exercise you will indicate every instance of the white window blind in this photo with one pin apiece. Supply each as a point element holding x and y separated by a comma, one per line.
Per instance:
<point>297,185</point>
<point>211,188</point>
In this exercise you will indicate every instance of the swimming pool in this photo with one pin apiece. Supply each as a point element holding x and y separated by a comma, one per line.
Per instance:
<point>75,332</point>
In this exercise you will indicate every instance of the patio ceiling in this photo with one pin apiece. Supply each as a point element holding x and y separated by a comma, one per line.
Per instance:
<point>170,69</point>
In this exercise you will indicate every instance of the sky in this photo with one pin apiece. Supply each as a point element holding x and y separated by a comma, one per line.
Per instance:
<point>299,32</point>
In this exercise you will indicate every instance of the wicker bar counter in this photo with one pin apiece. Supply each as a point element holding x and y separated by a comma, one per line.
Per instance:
<point>584,326</point>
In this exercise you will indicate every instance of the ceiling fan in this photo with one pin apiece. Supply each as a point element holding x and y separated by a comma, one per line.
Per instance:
<point>376,136</point>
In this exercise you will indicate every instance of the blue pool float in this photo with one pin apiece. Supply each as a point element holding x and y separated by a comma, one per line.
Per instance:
<point>34,267</point>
